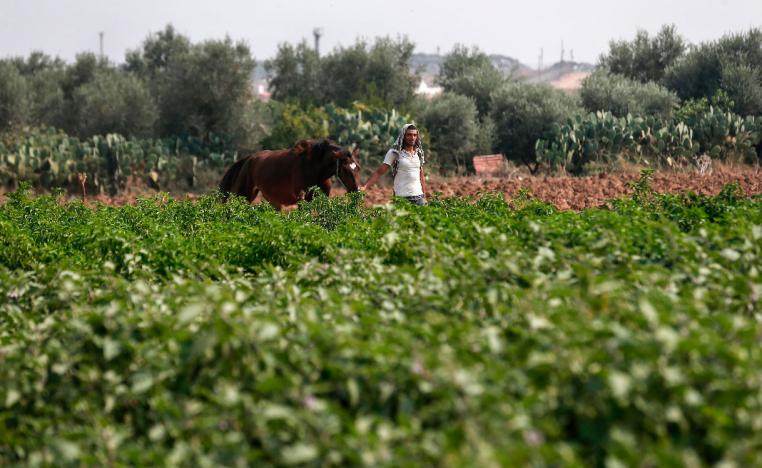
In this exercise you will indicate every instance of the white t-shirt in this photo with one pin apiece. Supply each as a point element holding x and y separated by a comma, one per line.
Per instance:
<point>407,182</point>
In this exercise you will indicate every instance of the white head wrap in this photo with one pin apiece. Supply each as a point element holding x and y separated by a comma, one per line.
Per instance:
<point>399,144</point>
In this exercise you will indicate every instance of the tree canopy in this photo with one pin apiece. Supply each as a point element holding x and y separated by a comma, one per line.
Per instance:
<point>644,58</point>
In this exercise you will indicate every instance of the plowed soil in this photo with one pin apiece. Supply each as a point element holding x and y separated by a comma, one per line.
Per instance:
<point>566,192</point>
<point>577,193</point>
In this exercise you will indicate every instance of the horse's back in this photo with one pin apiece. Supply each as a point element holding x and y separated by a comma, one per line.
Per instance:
<point>274,166</point>
<point>277,175</point>
<point>239,179</point>
<point>271,172</point>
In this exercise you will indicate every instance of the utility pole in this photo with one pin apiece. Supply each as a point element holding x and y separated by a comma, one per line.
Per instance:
<point>100,35</point>
<point>317,32</point>
<point>562,51</point>
<point>539,63</point>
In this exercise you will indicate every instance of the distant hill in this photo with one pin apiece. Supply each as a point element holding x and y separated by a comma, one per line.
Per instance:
<point>565,75</point>
<point>428,65</point>
<point>558,70</point>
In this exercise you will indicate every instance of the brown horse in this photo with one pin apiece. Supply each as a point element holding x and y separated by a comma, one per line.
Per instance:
<point>285,176</point>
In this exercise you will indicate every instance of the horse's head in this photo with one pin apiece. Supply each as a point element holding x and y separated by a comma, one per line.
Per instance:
<point>328,159</point>
<point>348,169</point>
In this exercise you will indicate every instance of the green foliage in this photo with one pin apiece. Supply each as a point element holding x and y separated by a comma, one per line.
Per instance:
<point>113,102</point>
<point>37,97</point>
<point>200,89</point>
<point>371,129</point>
<point>51,159</point>
<point>524,113</point>
<point>743,84</point>
<point>377,74</point>
<point>14,104</point>
<point>733,63</point>
<point>46,98</point>
<point>693,109</point>
<point>470,73</point>
<point>728,136</point>
<point>158,54</point>
<point>37,62</point>
<point>602,91</point>
<point>295,75</point>
<point>294,123</point>
<point>207,90</point>
<point>86,65</point>
<point>453,123</point>
<point>644,59</point>
<point>642,191</point>
<point>602,139</point>
<point>465,333</point>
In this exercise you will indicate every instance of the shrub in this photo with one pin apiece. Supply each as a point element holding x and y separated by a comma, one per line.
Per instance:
<point>524,113</point>
<point>644,59</point>
<point>472,74</point>
<point>293,123</point>
<point>14,102</point>
<point>602,91</point>
<point>733,63</point>
<point>454,130</point>
<point>114,102</point>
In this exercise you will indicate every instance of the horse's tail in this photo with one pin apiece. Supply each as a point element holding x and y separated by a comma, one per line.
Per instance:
<point>230,177</point>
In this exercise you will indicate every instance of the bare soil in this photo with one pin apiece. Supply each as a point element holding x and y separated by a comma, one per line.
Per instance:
<point>577,193</point>
<point>565,192</point>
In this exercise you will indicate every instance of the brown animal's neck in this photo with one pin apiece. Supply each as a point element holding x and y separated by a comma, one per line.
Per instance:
<point>313,177</point>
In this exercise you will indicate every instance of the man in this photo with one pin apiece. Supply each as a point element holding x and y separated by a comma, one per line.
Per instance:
<point>406,159</point>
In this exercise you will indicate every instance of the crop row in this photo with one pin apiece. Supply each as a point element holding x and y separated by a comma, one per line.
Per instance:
<point>477,332</point>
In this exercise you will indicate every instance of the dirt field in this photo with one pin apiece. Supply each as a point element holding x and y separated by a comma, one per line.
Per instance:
<point>566,193</point>
<point>577,193</point>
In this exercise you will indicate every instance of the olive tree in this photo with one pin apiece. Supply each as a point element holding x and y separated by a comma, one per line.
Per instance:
<point>471,73</point>
<point>114,102</point>
<point>455,131</point>
<point>526,112</point>
<point>602,91</point>
<point>14,102</point>
<point>644,58</point>
<point>732,64</point>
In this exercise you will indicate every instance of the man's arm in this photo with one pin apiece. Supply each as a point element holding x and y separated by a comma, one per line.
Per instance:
<point>423,181</point>
<point>382,169</point>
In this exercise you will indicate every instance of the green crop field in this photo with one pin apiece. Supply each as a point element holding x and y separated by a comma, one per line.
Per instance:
<point>469,332</point>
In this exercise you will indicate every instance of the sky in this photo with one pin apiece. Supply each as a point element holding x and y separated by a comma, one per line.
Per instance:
<point>518,29</point>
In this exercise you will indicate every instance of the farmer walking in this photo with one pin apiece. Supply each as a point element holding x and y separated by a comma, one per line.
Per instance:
<point>405,158</point>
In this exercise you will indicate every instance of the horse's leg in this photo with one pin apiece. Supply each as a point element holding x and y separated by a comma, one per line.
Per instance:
<point>268,196</point>
<point>253,194</point>
<point>325,186</point>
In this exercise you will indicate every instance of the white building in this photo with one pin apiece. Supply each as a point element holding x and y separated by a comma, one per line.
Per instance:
<point>426,90</point>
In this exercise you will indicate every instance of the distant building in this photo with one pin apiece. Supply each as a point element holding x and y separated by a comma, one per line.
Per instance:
<point>571,81</point>
<point>489,164</point>
<point>261,91</point>
<point>428,91</point>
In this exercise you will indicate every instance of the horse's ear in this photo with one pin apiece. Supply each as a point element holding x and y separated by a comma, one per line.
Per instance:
<point>301,147</point>
<point>356,153</point>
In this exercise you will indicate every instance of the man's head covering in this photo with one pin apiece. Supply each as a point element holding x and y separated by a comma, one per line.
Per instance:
<point>399,144</point>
